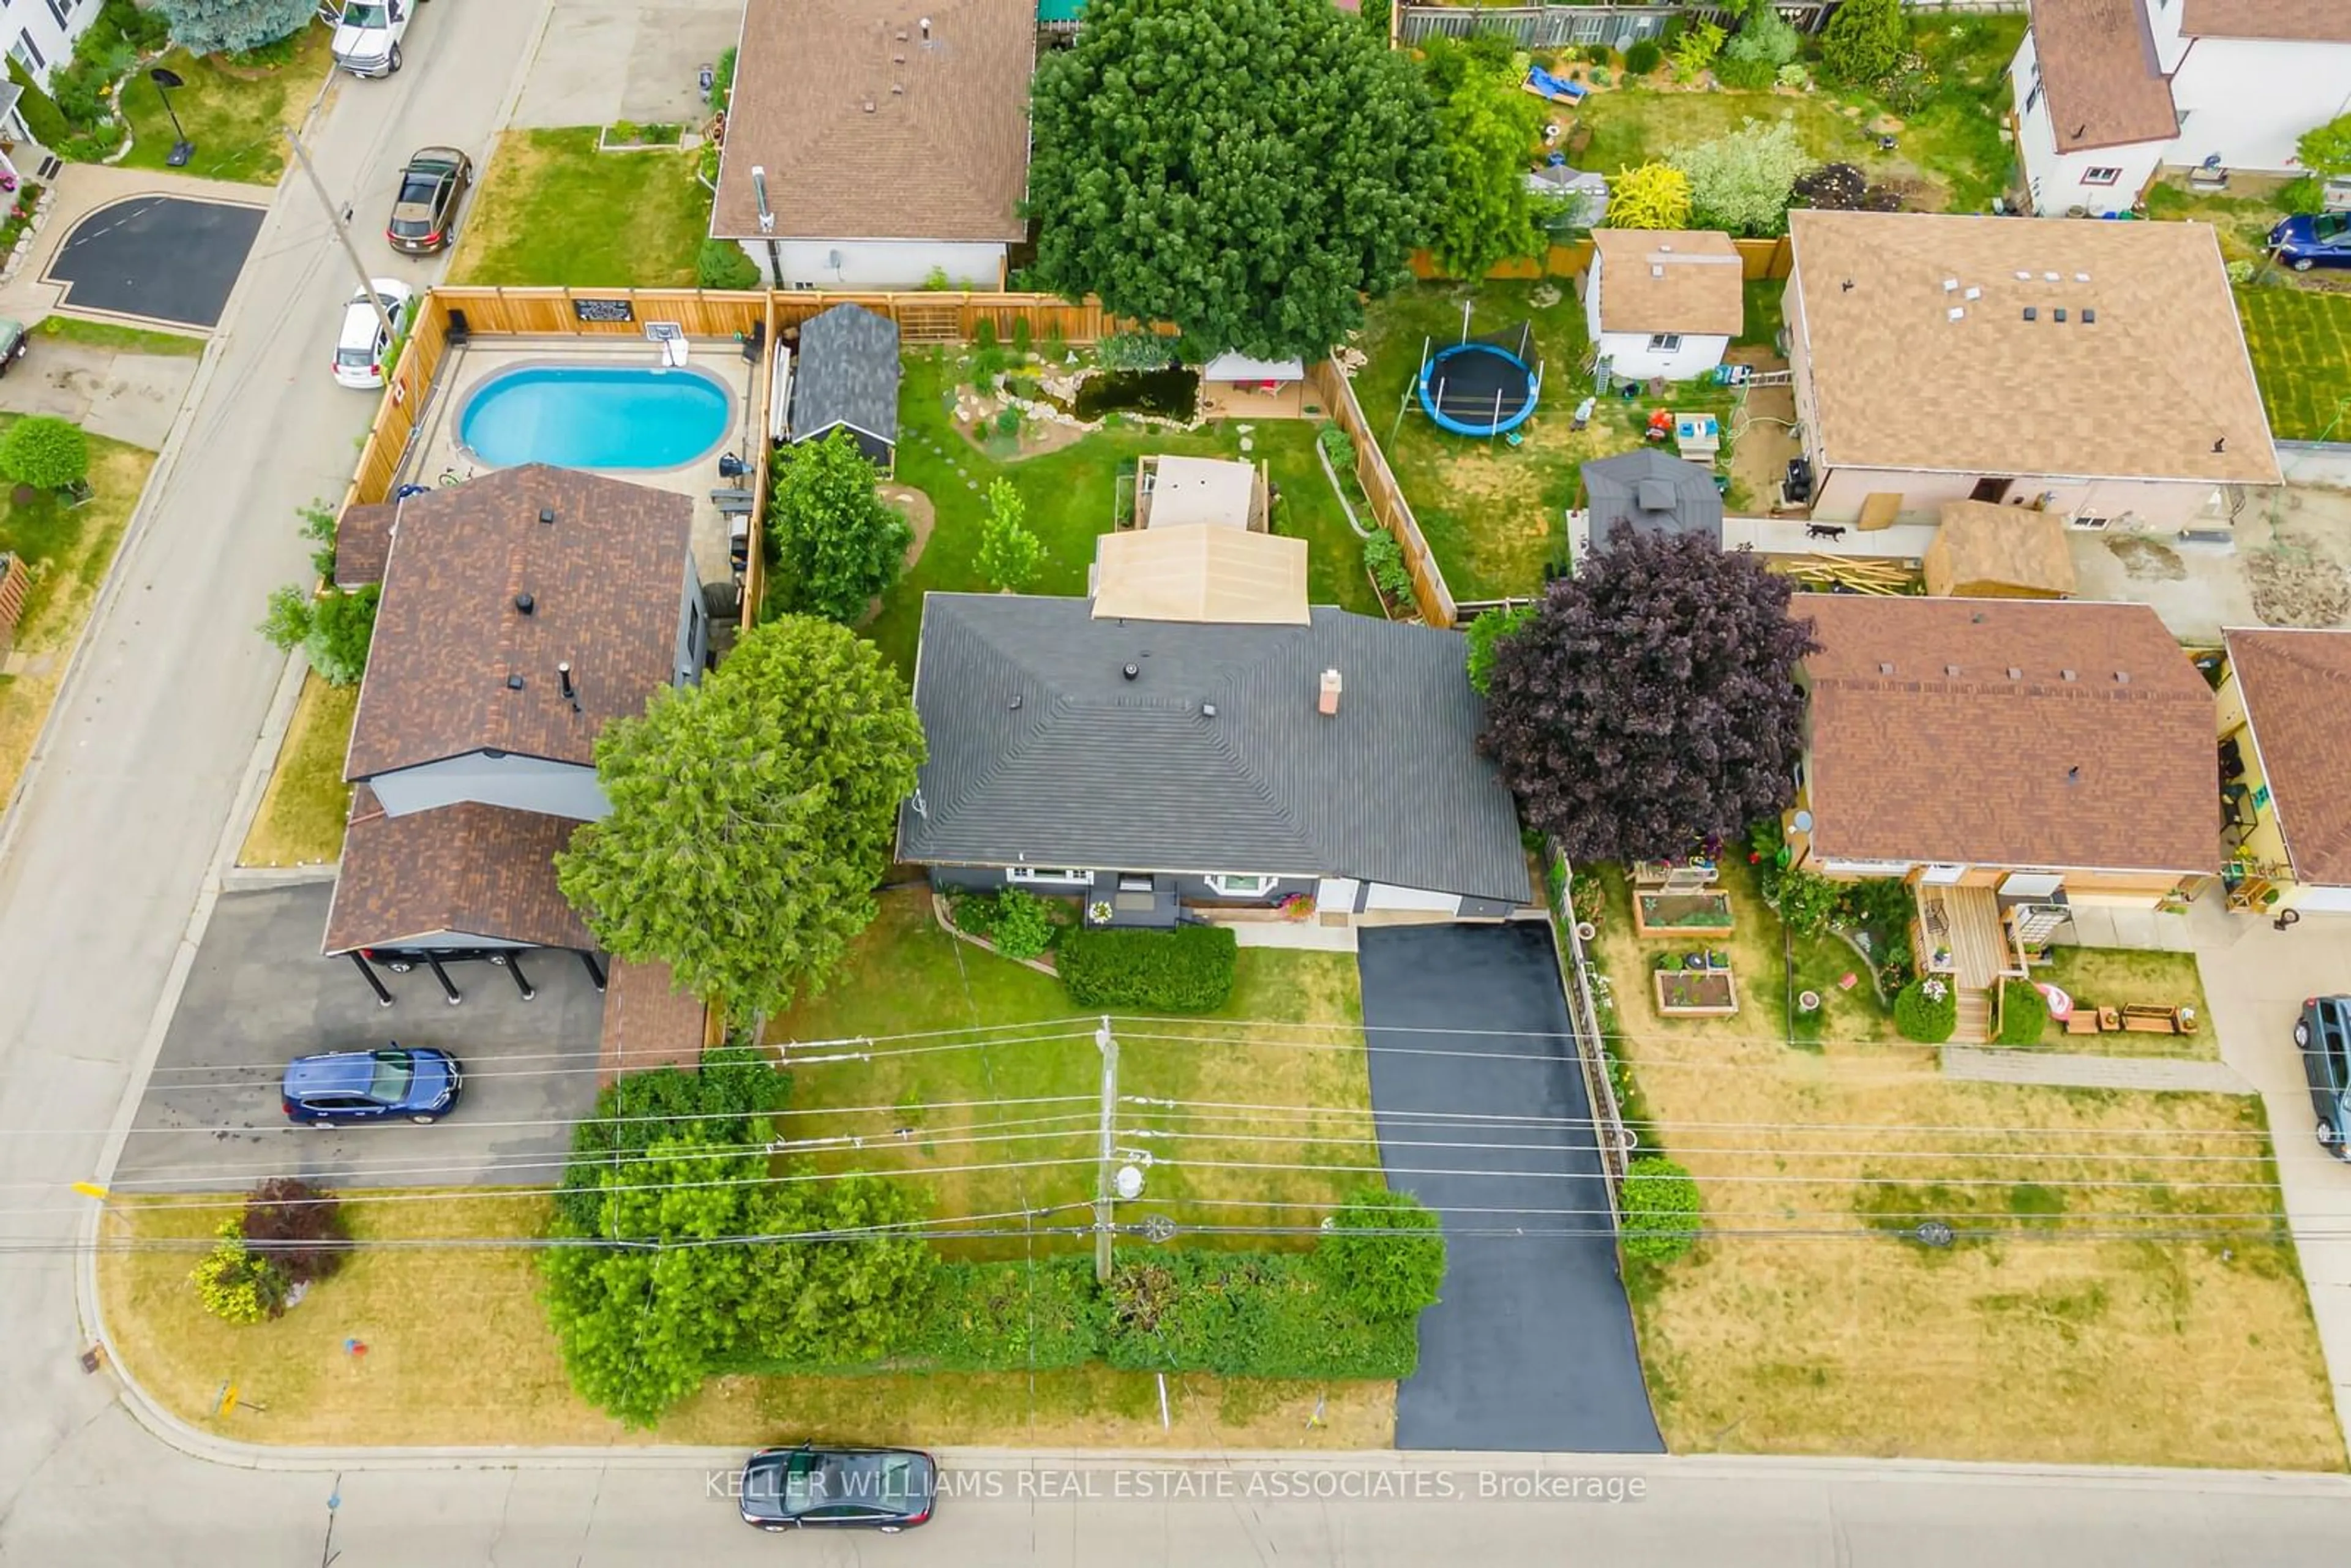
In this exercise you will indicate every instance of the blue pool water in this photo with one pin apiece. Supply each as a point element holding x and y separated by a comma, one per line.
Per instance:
<point>596,416</point>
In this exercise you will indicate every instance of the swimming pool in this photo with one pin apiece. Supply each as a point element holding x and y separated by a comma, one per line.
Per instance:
<point>596,416</point>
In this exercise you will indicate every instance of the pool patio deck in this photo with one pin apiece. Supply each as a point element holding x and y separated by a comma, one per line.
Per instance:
<point>436,451</point>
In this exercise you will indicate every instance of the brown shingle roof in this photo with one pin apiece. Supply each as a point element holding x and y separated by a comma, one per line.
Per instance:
<point>1687,281</point>
<point>362,541</point>
<point>606,580</point>
<point>2322,21</point>
<point>1978,767</point>
<point>648,1023</point>
<point>482,870</point>
<point>2099,73</point>
<point>869,130</point>
<point>2144,391</point>
<point>2297,689</point>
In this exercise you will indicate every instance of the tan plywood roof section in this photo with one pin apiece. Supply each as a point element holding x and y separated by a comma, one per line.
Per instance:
<point>1656,281</point>
<point>1981,549</point>
<point>2007,732</point>
<point>1211,576</point>
<point>2105,85</point>
<point>2317,21</point>
<point>2147,376</point>
<point>2297,690</point>
<point>870,128</point>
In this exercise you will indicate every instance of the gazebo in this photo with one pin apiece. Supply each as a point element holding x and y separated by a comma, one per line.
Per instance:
<point>1654,492</point>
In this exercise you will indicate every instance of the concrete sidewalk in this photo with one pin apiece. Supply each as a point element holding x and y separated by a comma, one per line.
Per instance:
<point>125,396</point>
<point>2062,1069</point>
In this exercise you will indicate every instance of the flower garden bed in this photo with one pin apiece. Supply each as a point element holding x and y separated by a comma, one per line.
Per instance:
<point>627,136</point>
<point>1698,985</point>
<point>1683,914</point>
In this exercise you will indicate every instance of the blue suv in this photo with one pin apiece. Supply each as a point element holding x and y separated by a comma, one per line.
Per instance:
<point>2312,239</point>
<point>2323,1035</point>
<point>340,1088</point>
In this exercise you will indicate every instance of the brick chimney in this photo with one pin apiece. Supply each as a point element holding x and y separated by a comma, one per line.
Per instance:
<point>1328,703</point>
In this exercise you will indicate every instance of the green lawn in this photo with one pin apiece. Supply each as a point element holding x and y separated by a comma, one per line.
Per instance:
<point>1492,513</point>
<point>1948,157</point>
<point>2119,977</point>
<point>2301,344</point>
<point>2243,219</point>
<point>1766,310</point>
<point>302,813</point>
<point>122,340</point>
<point>236,114</point>
<point>550,210</point>
<point>1031,1095</point>
<point>1069,494</point>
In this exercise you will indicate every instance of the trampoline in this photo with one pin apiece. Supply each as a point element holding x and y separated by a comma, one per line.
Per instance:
<point>1481,386</point>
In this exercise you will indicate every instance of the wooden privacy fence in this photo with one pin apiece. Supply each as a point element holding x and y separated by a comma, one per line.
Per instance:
<point>1758,258</point>
<point>1389,507</point>
<point>1608,1129</point>
<point>1618,26</point>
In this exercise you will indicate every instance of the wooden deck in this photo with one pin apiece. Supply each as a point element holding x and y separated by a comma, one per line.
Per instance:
<point>1965,921</point>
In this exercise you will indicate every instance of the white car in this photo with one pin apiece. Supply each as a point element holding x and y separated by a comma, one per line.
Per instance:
<point>360,352</point>
<point>368,34</point>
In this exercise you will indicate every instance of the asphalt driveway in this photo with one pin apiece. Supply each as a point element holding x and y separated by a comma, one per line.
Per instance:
<point>165,258</point>
<point>1532,1347</point>
<point>260,994</point>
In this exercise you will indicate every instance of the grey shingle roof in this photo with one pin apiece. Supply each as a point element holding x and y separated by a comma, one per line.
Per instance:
<point>1631,486</point>
<point>1041,750</point>
<point>846,373</point>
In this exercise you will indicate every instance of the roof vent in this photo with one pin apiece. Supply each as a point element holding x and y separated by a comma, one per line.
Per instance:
<point>869,106</point>
<point>2032,313</point>
<point>2081,277</point>
<point>897,90</point>
<point>547,514</point>
<point>2073,776</point>
<point>2122,677</point>
<point>926,29</point>
<point>1886,669</point>
<point>2023,276</point>
<point>898,59</point>
<point>1131,670</point>
<point>1208,710</point>
<point>1848,287</point>
<point>2065,674</point>
<point>1952,671</point>
<point>525,604</point>
<point>2014,673</point>
<point>2049,278</point>
<point>1956,312</point>
<point>1972,294</point>
<point>1951,284</point>
<point>563,679</point>
<point>514,683</point>
<point>2222,444</point>
<point>1014,704</point>
<point>1327,701</point>
<point>2089,316</point>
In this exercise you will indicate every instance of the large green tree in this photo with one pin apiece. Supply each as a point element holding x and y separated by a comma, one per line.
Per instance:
<point>2325,150</point>
<point>1486,129</point>
<point>1742,181</point>
<point>752,816</point>
<point>1246,169</point>
<point>1864,40</point>
<point>217,26</point>
<point>838,542</point>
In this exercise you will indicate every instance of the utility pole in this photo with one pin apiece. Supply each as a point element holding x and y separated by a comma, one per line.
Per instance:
<point>342,233</point>
<point>1105,1176</point>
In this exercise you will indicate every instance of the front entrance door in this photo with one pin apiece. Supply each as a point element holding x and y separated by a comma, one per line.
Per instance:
<point>1994,490</point>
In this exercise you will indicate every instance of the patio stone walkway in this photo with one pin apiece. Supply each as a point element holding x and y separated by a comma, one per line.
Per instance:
<point>2081,1071</point>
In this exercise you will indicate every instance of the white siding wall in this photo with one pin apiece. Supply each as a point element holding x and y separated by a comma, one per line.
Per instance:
<point>878,263</point>
<point>2147,505</point>
<point>2058,180</point>
<point>2249,99</point>
<point>32,22</point>
<point>524,783</point>
<point>1629,354</point>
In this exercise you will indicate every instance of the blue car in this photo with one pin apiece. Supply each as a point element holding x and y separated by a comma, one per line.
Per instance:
<point>341,1088</point>
<point>2312,239</point>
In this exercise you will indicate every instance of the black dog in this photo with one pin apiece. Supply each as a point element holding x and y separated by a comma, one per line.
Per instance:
<point>1824,530</point>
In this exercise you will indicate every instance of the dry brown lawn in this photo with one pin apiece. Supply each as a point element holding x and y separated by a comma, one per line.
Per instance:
<point>303,810</point>
<point>459,1352</point>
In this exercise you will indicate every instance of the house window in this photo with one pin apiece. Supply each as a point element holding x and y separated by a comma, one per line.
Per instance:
<point>1055,877</point>
<point>2034,96</point>
<point>2102,176</point>
<point>60,9</point>
<point>28,54</point>
<point>1226,886</point>
<point>1664,343</point>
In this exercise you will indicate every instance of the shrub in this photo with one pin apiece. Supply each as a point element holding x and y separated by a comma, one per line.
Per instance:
<point>1744,72</point>
<point>1742,181</point>
<point>42,115</point>
<point>1644,56</point>
<point>722,79</point>
<point>1794,74</point>
<point>1806,901</point>
<point>45,452</point>
<point>1384,558</point>
<point>1661,1209</point>
<point>1697,48</point>
<point>237,1284</point>
<point>721,264</point>
<point>1136,351</point>
<point>1380,1274</point>
<point>297,1226</point>
<point>2022,1010</point>
<point>1021,924</point>
<point>1927,1010</point>
<point>318,527</point>
<point>1338,446</point>
<point>1008,422</point>
<point>1186,970</point>
<point>1602,76</point>
<point>143,28</point>
<point>1655,195</point>
<point>1485,634</point>
<point>1246,1315</point>
<point>342,626</point>
<point>1011,554</point>
<point>1005,1317</point>
<point>2301,196</point>
<point>734,1084</point>
<point>1864,40</point>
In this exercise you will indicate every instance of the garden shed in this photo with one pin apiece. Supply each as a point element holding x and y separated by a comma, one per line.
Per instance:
<point>1981,550</point>
<point>1653,492</point>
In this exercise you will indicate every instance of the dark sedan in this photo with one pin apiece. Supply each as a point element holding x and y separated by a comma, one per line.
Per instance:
<point>2312,239</point>
<point>2323,1035</point>
<point>809,1488</point>
<point>425,213</point>
<point>343,1088</point>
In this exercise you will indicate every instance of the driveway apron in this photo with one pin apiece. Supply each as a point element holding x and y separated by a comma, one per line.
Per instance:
<point>1532,1347</point>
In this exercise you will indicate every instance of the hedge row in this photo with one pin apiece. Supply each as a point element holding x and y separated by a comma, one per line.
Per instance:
<point>1186,970</point>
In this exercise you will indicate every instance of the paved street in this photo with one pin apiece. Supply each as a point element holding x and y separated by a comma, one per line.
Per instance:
<point>1532,1345</point>
<point>259,994</point>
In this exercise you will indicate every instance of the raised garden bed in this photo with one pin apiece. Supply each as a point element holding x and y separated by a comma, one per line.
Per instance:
<point>627,136</point>
<point>1696,993</point>
<point>1683,914</point>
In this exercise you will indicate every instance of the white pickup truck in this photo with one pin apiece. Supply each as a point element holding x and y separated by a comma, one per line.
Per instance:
<point>368,34</point>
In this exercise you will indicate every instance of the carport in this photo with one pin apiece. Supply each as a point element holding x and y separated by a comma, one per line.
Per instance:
<point>1483,1114</point>
<point>259,994</point>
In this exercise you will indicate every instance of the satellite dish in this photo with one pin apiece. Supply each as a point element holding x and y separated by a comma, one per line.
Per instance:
<point>1802,821</point>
